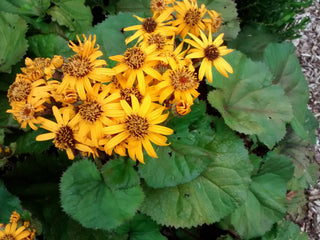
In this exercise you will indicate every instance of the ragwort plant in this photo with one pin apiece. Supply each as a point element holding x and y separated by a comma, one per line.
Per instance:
<point>172,134</point>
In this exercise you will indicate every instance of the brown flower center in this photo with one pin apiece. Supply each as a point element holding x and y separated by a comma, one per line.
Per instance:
<point>126,94</point>
<point>19,91</point>
<point>158,5</point>
<point>149,24</point>
<point>211,52</point>
<point>134,57</point>
<point>27,112</point>
<point>157,39</point>
<point>8,237</point>
<point>183,79</point>
<point>192,17</point>
<point>137,126</point>
<point>77,67</point>
<point>90,110</point>
<point>64,138</point>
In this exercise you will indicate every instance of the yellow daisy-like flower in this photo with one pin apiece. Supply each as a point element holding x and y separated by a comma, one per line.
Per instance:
<point>189,17</point>
<point>35,69</point>
<point>139,128</point>
<point>179,83</point>
<point>162,42</point>
<point>214,22</point>
<point>12,233</point>
<point>135,62</point>
<point>96,112</point>
<point>26,112</point>
<point>151,25</point>
<point>64,134</point>
<point>84,68</point>
<point>159,6</point>
<point>210,52</point>
<point>181,108</point>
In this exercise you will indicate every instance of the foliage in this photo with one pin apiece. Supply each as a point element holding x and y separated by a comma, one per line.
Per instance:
<point>226,159</point>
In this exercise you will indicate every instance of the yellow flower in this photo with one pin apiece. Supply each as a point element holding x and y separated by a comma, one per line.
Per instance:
<point>26,112</point>
<point>35,69</point>
<point>135,62</point>
<point>96,112</point>
<point>181,108</point>
<point>55,63</point>
<point>12,233</point>
<point>214,22</point>
<point>23,89</point>
<point>84,68</point>
<point>162,42</point>
<point>62,132</point>
<point>15,217</point>
<point>179,83</point>
<point>139,128</point>
<point>159,6</point>
<point>151,25</point>
<point>189,17</point>
<point>210,52</point>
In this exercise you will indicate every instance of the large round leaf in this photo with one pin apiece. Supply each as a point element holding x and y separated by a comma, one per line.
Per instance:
<point>87,199</point>
<point>216,192</point>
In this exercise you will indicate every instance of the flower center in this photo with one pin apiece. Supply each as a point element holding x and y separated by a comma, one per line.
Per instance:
<point>158,5</point>
<point>27,112</point>
<point>90,110</point>
<point>134,57</point>
<point>64,138</point>
<point>157,39</point>
<point>19,91</point>
<point>211,52</point>
<point>77,67</point>
<point>192,17</point>
<point>126,94</point>
<point>137,126</point>
<point>183,79</point>
<point>149,24</point>
<point>8,237</point>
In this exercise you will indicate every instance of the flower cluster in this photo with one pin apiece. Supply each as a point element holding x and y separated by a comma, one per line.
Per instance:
<point>98,109</point>
<point>10,231</point>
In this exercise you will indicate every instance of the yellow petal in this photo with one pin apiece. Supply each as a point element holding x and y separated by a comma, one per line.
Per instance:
<point>45,136</point>
<point>117,139</point>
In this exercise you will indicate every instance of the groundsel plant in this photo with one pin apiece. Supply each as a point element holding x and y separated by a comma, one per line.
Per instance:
<point>90,109</point>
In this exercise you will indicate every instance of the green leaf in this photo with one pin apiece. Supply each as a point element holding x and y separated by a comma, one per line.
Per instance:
<point>176,164</point>
<point>252,41</point>
<point>6,119</point>
<point>138,6</point>
<point>286,230</point>
<point>27,142</point>
<point>216,192</point>
<point>248,102</point>
<point>87,199</point>
<point>112,41</point>
<point>8,204</point>
<point>72,14</point>
<point>297,205</point>
<point>120,174</point>
<point>280,165</point>
<point>228,11</point>
<point>286,69</point>
<point>264,206</point>
<point>12,37</point>
<point>48,45</point>
<point>305,171</point>
<point>141,227</point>
<point>25,7</point>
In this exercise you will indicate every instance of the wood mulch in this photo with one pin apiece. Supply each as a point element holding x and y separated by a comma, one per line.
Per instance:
<point>308,52</point>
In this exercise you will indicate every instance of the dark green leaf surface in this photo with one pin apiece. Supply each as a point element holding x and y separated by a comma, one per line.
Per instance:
<point>8,204</point>
<point>141,227</point>
<point>264,206</point>
<point>72,14</point>
<point>286,230</point>
<point>216,192</point>
<point>283,63</point>
<point>87,199</point>
<point>12,37</point>
<point>120,174</point>
<point>138,6</point>
<point>48,45</point>
<point>248,102</point>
